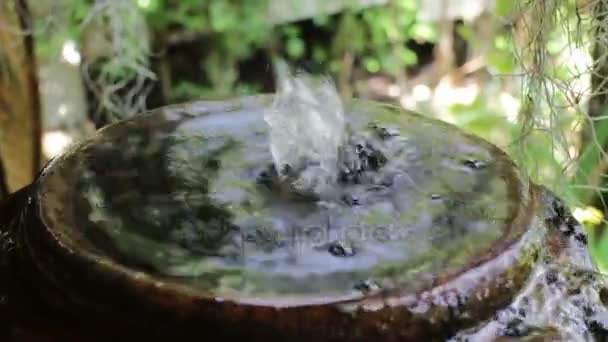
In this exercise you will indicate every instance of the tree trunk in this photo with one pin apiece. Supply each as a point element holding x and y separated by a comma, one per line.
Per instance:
<point>19,101</point>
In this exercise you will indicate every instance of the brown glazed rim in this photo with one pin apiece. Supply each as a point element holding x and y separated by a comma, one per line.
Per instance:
<point>81,281</point>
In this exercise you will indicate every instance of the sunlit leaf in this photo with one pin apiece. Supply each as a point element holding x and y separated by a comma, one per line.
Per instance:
<point>505,8</point>
<point>409,5</point>
<point>295,47</point>
<point>409,57</point>
<point>222,16</point>
<point>371,64</point>
<point>502,63</point>
<point>321,20</point>
<point>424,31</point>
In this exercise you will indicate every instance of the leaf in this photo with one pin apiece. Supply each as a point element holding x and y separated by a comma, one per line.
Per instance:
<point>424,31</point>
<point>222,16</point>
<point>409,57</point>
<point>505,8</point>
<point>504,63</point>
<point>295,47</point>
<point>371,64</point>
<point>319,55</point>
<point>321,20</point>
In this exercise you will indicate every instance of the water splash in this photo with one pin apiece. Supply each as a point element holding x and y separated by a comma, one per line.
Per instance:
<point>307,128</point>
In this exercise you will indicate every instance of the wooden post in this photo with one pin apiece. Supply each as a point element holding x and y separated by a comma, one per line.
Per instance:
<point>19,101</point>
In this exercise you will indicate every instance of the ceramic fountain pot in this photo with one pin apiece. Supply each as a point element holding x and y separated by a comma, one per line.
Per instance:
<point>176,224</point>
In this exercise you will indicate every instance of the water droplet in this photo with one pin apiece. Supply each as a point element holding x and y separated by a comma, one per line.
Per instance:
<point>391,132</point>
<point>339,249</point>
<point>367,286</point>
<point>385,132</point>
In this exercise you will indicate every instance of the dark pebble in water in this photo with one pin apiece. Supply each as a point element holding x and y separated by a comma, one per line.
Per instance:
<point>349,177</point>
<point>522,312</point>
<point>338,249</point>
<point>386,133</point>
<point>264,178</point>
<point>213,164</point>
<point>516,328</point>
<point>376,160</point>
<point>557,212</point>
<point>551,277</point>
<point>369,157</point>
<point>350,200</point>
<point>580,237</point>
<point>366,286</point>
<point>571,221</point>
<point>345,175</point>
<point>567,230</point>
<point>267,176</point>
<point>474,164</point>
<point>598,330</point>
<point>579,273</point>
<point>286,170</point>
<point>588,311</point>
<point>360,149</point>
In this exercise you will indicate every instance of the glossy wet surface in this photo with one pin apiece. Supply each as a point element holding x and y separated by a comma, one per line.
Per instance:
<point>190,194</point>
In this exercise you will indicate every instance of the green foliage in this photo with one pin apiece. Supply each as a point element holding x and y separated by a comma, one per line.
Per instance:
<point>385,30</point>
<point>50,35</point>
<point>233,30</point>
<point>502,59</point>
<point>505,8</point>
<point>236,29</point>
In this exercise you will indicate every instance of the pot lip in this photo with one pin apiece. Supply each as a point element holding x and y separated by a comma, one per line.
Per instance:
<point>522,218</point>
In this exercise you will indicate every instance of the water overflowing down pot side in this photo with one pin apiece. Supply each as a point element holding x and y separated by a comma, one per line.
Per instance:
<point>564,299</point>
